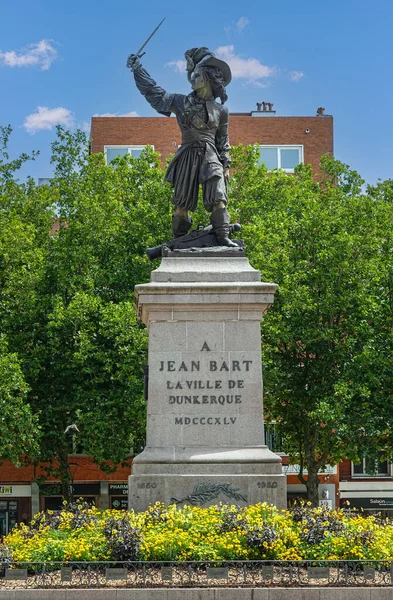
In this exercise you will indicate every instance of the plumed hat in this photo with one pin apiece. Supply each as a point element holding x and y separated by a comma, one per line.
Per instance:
<point>203,57</point>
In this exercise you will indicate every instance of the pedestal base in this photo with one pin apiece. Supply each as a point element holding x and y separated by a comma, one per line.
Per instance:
<point>205,415</point>
<point>205,489</point>
<point>239,476</point>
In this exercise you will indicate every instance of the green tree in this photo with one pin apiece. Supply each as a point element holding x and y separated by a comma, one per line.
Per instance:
<point>325,347</point>
<point>66,299</point>
<point>19,430</point>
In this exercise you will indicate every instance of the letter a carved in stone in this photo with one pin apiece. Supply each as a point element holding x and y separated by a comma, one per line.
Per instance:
<point>205,347</point>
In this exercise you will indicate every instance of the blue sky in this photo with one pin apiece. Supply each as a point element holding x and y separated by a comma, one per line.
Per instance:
<point>69,59</point>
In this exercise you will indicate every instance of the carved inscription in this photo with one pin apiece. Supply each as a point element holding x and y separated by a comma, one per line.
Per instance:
<point>195,365</point>
<point>223,388</point>
<point>205,420</point>
<point>147,485</point>
<point>205,400</point>
<point>267,484</point>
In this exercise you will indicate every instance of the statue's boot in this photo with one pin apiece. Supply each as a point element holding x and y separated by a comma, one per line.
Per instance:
<point>220,222</point>
<point>180,225</point>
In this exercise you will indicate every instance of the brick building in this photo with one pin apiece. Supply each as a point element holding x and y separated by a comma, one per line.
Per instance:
<point>367,485</point>
<point>284,141</point>
<point>21,497</point>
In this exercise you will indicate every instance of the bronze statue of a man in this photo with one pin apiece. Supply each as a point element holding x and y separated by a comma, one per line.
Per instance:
<point>203,157</point>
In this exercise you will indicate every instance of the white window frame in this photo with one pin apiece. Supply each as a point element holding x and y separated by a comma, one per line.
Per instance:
<point>122,147</point>
<point>280,147</point>
<point>365,475</point>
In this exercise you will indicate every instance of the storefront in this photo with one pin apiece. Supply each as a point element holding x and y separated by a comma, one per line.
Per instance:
<point>15,506</point>
<point>51,497</point>
<point>118,496</point>
<point>327,488</point>
<point>370,496</point>
<point>369,504</point>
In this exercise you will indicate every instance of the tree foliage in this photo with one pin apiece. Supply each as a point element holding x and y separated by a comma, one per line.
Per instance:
<point>327,340</point>
<point>71,254</point>
<point>19,429</point>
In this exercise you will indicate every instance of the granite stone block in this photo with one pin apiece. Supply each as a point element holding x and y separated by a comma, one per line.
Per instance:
<point>228,313</point>
<point>191,594</point>
<point>205,268</point>
<point>205,336</point>
<point>7,594</point>
<point>160,333</point>
<point>47,594</point>
<point>345,594</point>
<point>205,383</point>
<point>91,594</point>
<point>260,594</point>
<point>237,594</point>
<point>142,594</point>
<point>242,336</point>
<point>381,593</point>
<point>294,594</point>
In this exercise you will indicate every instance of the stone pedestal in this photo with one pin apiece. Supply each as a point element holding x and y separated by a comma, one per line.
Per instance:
<point>205,438</point>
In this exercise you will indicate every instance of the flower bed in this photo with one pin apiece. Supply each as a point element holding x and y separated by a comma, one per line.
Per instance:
<point>216,533</point>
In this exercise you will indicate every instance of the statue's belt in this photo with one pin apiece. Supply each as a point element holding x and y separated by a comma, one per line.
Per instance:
<point>192,135</point>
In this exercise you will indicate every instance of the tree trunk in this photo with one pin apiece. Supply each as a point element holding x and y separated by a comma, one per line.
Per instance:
<point>65,478</point>
<point>312,483</point>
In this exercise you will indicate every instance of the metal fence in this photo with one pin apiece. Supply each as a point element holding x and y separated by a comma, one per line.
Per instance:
<point>197,574</point>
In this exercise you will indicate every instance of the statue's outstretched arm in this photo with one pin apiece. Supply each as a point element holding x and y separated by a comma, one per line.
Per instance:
<point>156,96</point>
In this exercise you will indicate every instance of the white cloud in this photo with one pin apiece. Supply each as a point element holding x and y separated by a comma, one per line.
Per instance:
<point>47,118</point>
<point>132,113</point>
<point>296,75</point>
<point>260,84</point>
<point>84,126</point>
<point>242,24</point>
<point>179,66</point>
<point>250,69</point>
<point>238,27</point>
<point>40,55</point>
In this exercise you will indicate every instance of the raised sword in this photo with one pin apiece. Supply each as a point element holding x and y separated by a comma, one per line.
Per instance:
<point>138,54</point>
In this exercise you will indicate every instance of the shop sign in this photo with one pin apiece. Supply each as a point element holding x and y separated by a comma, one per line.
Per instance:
<point>119,503</point>
<point>86,489</point>
<point>118,489</point>
<point>295,470</point>
<point>77,490</point>
<point>368,503</point>
<point>23,491</point>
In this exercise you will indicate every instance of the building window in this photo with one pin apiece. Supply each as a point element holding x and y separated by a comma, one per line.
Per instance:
<point>281,157</point>
<point>370,467</point>
<point>112,152</point>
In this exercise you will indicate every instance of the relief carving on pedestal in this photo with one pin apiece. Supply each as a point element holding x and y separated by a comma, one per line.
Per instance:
<point>205,492</point>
